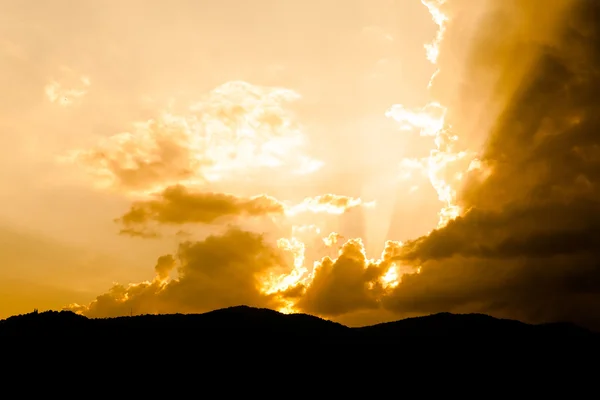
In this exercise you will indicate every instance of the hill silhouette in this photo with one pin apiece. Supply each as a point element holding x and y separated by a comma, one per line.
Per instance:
<point>246,324</point>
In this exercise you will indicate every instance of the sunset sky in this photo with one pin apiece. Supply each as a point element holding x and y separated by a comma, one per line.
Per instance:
<point>362,161</point>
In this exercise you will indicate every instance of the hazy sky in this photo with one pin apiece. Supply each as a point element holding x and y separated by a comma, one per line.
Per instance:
<point>349,61</point>
<point>136,131</point>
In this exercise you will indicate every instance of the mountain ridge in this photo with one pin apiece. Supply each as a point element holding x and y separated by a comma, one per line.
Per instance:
<point>245,321</point>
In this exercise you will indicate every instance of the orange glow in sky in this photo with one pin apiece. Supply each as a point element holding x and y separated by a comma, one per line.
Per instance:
<point>275,154</point>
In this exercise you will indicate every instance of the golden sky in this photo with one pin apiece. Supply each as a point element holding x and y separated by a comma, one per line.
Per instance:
<point>356,160</point>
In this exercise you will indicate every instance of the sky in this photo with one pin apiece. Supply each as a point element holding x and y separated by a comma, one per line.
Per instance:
<point>363,161</point>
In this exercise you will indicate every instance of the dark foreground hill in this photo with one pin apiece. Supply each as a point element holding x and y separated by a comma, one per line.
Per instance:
<point>248,350</point>
<point>250,324</point>
<point>263,342</point>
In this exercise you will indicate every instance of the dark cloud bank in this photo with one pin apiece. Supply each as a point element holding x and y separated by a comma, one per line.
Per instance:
<point>529,248</point>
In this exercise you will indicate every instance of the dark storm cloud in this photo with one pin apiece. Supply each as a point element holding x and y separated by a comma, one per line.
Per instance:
<point>529,246</point>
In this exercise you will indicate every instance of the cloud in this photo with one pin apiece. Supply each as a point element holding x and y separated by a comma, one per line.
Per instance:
<point>331,239</point>
<point>528,246</point>
<point>241,267</point>
<point>219,271</point>
<point>327,203</point>
<point>164,266</point>
<point>236,130</point>
<point>346,284</point>
<point>67,93</point>
<point>177,205</point>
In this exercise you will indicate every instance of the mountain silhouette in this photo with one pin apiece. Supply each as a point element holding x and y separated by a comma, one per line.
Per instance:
<point>247,323</point>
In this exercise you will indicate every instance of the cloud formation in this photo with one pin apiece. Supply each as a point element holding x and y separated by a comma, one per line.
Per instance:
<point>178,205</point>
<point>69,90</point>
<point>236,130</point>
<point>328,203</point>
<point>217,272</point>
<point>348,283</point>
<point>526,245</point>
<point>241,267</point>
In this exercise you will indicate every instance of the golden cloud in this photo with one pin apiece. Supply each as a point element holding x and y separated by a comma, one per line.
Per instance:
<point>348,283</point>
<point>219,271</point>
<point>238,129</point>
<point>177,205</point>
<point>240,267</point>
